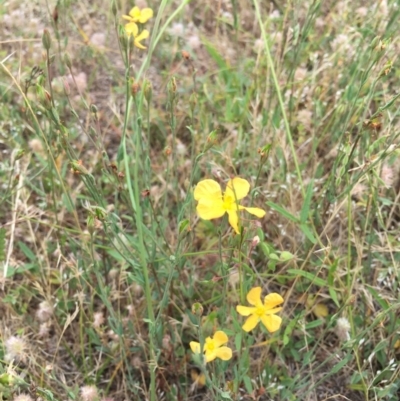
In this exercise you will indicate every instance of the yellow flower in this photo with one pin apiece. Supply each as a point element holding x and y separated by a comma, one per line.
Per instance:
<point>261,311</point>
<point>213,204</point>
<point>138,15</point>
<point>132,29</point>
<point>213,347</point>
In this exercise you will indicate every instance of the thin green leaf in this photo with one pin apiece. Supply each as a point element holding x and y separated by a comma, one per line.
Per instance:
<point>307,232</point>
<point>305,210</point>
<point>282,211</point>
<point>309,276</point>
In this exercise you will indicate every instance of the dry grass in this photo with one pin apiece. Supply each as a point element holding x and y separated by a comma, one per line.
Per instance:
<point>79,320</point>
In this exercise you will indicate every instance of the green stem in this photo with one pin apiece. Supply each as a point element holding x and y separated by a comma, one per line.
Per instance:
<point>279,95</point>
<point>134,195</point>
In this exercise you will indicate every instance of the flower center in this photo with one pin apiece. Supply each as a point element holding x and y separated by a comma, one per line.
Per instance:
<point>260,310</point>
<point>229,203</point>
<point>209,346</point>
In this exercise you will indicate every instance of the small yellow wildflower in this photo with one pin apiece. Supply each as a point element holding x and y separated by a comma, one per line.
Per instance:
<point>132,29</point>
<point>138,15</point>
<point>213,347</point>
<point>213,204</point>
<point>261,311</point>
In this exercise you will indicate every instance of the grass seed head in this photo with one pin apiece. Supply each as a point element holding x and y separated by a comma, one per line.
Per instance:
<point>23,397</point>
<point>16,349</point>
<point>343,328</point>
<point>89,393</point>
<point>44,312</point>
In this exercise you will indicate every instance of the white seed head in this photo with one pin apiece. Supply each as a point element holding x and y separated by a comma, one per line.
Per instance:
<point>234,278</point>
<point>98,319</point>
<point>44,312</point>
<point>343,328</point>
<point>177,29</point>
<point>98,39</point>
<point>194,42</point>
<point>15,348</point>
<point>387,175</point>
<point>89,393</point>
<point>44,330</point>
<point>22,397</point>
<point>35,145</point>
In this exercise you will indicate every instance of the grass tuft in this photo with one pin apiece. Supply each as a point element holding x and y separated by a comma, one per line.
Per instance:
<point>127,273</point>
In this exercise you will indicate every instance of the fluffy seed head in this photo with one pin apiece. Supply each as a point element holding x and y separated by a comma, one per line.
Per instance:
<point>23,397</point>
<point>98,319</point>
<point>343,328</point>
<point>36,145</point>
<point>15,348</point>
<point>44,312</point>
<point>89,393</point>
<point>387,175</point>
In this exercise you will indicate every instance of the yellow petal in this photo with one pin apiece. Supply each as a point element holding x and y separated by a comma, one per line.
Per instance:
<point>272,300</point>
<point>132,29</point>
<point>195,347</point>
<point>210,356</point>
<point>127,17</point>
<point>254,296</point>
<point>234,220</point>
<point>145,15</point>
<point>250,323</point>
<point>135,13</point>
<point>143,35</point>
<point>237,188</point>
<point>139,45</point>
<point>220,338</point>
<point>244,310</point>
<point>208,189</point>
<point>255,210</point>
<point>271,322</point>
<point>208,210</point>
<point>224,353</point>
<point>320,310</point>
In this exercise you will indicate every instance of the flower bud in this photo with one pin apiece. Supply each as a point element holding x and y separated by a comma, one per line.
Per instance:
<point>131,41</point>
<point>124,40</point>
<point>255,241</point>
<point>147,90</point>
<point>171,89</point>
<point>46,39</point>
<point>78,167</point>
<point>193,102</point>
<point>114,9</point>
<point>67,89</point>
<point>135,88</point>
<point>43,96</point>
<point>375,42</point>
<point>55,15</point>
<point>67,61</point>
<point>90,224</point>
<point>197,309</point>
<point>212,138</point>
